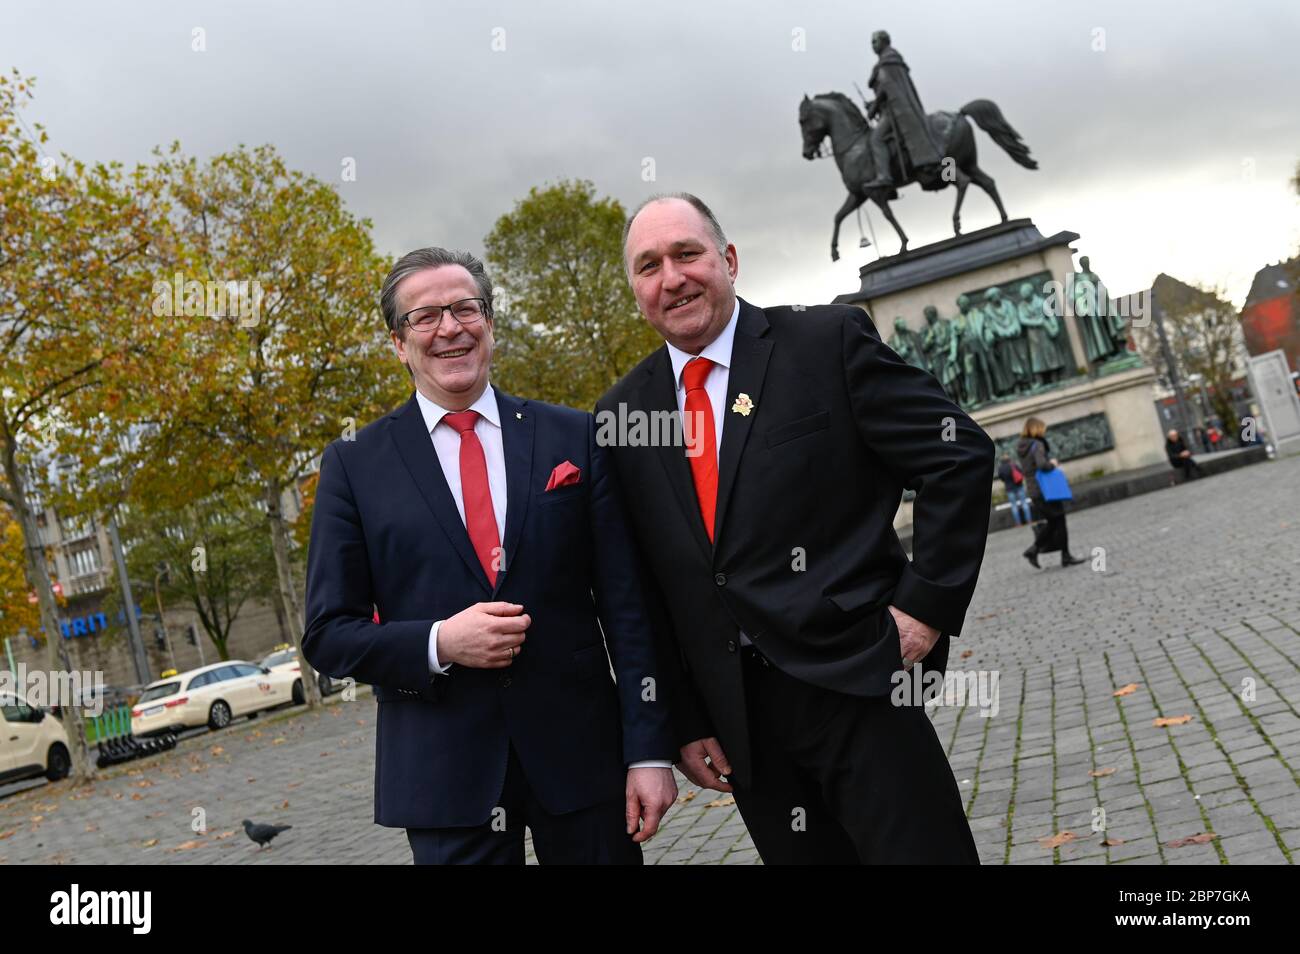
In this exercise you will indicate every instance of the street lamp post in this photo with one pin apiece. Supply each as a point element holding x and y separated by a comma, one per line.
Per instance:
<point>133,627</point>
<point>157,594</point>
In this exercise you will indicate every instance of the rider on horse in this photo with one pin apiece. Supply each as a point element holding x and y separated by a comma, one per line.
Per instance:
<point>901,114</point>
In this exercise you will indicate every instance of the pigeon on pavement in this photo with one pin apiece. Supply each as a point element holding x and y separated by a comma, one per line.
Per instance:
<point>262,834</point>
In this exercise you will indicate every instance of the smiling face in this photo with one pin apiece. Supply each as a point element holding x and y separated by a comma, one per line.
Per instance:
<point>683,285</point>
<point>450,362</point>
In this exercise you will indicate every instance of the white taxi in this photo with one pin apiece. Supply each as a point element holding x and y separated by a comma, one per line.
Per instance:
<point>284,658</point>
<point>33,742</point>
<point>210,695</point>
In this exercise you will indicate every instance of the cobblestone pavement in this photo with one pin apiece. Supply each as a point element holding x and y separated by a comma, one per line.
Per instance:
<point>1192,595</point>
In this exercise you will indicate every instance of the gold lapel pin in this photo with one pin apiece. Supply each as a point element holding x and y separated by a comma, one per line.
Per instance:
<point>743,405</point>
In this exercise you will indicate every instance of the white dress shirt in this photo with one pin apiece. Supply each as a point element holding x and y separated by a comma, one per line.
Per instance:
<point>446,442</point>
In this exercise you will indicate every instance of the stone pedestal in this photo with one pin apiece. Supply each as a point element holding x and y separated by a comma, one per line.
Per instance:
<point>1097,426</point>
<point>1099,421</point>
<point>1116,413</point>
<point>902,285</point>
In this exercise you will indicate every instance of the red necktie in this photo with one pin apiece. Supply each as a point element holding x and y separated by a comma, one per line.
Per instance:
<point>704,465</point>
<point>480,519</point>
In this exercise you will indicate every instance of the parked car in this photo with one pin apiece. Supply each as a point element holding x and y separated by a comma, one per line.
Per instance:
<point>212,696</point>
<point>285,658</point>
<point>33,742</point>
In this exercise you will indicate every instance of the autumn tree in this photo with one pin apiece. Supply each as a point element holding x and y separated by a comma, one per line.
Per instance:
<point>75,332</point>
<point>567,325</point>
<point>292,356</point>
<point>214,556</point>
<point>1204,334</point>
<point>17,612</point>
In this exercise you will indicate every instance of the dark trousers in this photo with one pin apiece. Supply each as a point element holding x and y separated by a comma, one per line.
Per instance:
<point>589,836</point>
<point>1188,466</point>
<point>1052,534</point>
<point>842,779</point>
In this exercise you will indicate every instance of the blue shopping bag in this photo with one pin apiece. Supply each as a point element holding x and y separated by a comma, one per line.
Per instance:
<point>1053,485</point>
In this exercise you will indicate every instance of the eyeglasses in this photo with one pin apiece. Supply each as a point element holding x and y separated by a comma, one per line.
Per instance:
<point>428,317</point>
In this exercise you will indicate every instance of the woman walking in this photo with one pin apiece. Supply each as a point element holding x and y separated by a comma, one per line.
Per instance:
<point>1035,455</point>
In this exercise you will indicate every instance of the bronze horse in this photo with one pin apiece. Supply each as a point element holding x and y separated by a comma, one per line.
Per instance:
<point>836,116</point>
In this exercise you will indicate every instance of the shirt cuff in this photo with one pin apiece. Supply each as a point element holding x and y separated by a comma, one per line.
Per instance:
<point>651,763</point>
<point>434,666</point>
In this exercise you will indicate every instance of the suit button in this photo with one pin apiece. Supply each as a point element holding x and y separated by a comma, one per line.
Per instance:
<point>720,579</point>
<point>731,645</point>
<point>505,682</point>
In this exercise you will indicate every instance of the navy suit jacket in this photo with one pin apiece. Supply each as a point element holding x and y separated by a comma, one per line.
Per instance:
<point>386,535</point>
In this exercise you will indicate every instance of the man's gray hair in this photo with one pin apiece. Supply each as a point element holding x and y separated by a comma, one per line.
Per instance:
<point>432,257</point>
<point>695,202</point>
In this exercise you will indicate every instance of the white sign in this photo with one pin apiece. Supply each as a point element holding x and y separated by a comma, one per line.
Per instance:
<point>1270,379</point>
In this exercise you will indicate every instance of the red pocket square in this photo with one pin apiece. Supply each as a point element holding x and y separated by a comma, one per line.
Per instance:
<point>564,475</point>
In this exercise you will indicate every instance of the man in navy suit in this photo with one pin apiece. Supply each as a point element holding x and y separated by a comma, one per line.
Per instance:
<point>486,532</point>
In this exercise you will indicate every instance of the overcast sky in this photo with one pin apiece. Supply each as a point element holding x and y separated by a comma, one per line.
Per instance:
<point>1168,150</point>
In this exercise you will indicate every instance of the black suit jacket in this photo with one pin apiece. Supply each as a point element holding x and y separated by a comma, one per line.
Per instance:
<point>386,534</point>
<point>805,559</point>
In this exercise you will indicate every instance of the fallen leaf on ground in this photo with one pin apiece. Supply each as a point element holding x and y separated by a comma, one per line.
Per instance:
<point>681,801</point>
<point>1056,841</point>
<point>150,843</point>
<point>1201,839</point>
<point>721,802</point>
<point>187,846</point>
<point>967,654</point>
<point>1126,690</point>
<point>1112,842</point>
<point>1171,720</point>
<point>1102,773</point>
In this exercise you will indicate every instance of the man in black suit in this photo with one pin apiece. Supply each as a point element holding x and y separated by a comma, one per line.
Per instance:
<point>785,607</point>
<point>487,533</point>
